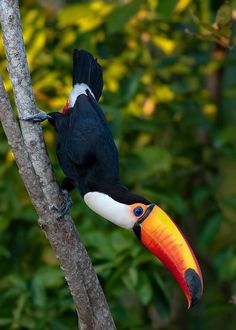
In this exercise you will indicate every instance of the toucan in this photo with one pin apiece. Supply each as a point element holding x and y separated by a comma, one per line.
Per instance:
<point>88,156</point>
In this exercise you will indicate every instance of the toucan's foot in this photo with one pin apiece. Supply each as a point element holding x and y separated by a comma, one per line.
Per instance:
<point>68,203</point>
<point>37,118</point>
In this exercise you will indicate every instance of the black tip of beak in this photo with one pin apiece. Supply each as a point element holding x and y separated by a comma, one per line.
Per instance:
<point>194,284</point>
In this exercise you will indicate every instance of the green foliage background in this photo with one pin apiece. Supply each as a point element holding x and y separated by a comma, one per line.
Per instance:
<point>175,130</point>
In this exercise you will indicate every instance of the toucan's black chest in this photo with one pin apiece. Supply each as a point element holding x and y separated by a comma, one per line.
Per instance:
<point>85,148</point>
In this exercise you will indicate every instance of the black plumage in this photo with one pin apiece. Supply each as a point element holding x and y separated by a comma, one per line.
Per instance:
<point>85,148</point>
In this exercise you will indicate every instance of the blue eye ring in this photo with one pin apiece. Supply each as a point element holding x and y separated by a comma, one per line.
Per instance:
<point>138,211</point>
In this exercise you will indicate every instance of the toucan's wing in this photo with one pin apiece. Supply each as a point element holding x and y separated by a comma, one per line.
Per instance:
<point>90,141</point>
<point>82,130</point>
<point>99,112</point>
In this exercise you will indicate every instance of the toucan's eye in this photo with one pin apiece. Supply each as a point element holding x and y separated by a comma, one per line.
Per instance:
<point>138,211</point>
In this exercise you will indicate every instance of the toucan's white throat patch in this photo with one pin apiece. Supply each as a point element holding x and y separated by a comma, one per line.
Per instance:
<point>78,89</point>
<point>118,213</point>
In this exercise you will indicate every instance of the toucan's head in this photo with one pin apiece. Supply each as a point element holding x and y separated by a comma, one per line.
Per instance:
<point>158,233</point>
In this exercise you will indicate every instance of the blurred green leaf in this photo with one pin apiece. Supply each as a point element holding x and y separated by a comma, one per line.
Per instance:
<point>210,228</point>
<point>166,8</point>
<point>160,299</point>
<point>120,15</point>
<point>5,321</point>
<point>224,14</point>
<point>155,158</point>
<point>144,290</point>
<point>231,201</point>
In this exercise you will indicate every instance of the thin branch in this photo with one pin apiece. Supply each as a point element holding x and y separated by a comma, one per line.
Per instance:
<point>35,169</point>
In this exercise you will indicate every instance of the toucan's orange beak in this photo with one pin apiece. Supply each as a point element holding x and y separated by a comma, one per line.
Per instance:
<point>164,239</point>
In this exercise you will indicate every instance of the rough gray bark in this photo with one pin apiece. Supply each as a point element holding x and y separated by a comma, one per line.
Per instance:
<point>25,102</point>
<point>34,166</point>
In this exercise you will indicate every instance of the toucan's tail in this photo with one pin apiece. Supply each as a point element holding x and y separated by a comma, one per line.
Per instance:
<point>86,70</point>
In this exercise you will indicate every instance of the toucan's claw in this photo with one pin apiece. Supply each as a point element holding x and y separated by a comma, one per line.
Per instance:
<point>67,205</point>
<point>37,118</point>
